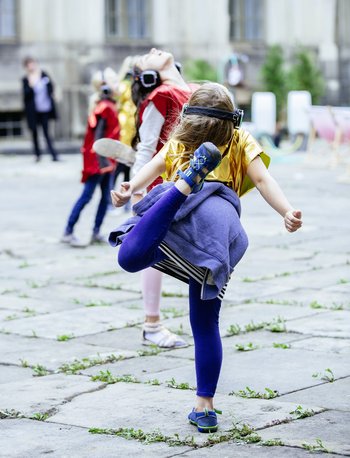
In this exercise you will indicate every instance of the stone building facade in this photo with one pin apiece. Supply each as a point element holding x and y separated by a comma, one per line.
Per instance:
<point>73,38</point>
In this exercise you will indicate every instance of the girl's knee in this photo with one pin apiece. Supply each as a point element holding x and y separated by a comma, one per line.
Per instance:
<point>128,261</point>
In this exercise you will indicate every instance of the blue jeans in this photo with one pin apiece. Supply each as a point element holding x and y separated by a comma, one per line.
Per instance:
<point>89,188</point>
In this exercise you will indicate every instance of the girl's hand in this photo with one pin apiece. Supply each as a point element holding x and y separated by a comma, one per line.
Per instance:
<point>123,195</point>
<point>292,220</point>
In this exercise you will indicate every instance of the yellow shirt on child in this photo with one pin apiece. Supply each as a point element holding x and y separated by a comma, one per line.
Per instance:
<point>232,171</point>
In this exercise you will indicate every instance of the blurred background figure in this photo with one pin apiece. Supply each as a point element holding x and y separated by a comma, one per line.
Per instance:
<point>97,170</point>
<point>39,104</point>
<point>126,115</point>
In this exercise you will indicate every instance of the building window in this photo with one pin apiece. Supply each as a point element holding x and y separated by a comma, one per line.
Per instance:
<point>7,19</point>
<point>128,19</point>
<point>246,20</point>
<point>11,124</point>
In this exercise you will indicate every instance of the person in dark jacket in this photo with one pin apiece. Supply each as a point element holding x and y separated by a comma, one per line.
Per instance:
<point>39,104</point>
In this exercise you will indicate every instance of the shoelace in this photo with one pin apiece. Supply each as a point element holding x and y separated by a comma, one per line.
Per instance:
<point>198,162</point>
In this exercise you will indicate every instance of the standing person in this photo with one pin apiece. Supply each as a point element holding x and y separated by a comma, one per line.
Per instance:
<point>191,229</point>
<point>97,170</point>
<point>159,92</point>
<point>126,115</point>
<point>39,104</point>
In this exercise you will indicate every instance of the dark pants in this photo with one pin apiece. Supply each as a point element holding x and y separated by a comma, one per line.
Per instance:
<point>140,249</point>
<point>42,119</point>
<point>89,188</point>
<point>121,168</point>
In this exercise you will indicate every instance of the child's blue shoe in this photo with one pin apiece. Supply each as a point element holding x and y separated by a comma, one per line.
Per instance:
<point>206,421</point>
<point>205,159</point>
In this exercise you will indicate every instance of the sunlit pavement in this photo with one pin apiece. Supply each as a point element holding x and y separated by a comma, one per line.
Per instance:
<point>69,315</point>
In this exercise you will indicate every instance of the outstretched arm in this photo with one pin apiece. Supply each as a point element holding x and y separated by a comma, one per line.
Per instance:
<point>141,180</point>
<point>273,194</point>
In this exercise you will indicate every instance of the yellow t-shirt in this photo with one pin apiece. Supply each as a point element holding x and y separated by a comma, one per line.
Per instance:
<point>232,171</point>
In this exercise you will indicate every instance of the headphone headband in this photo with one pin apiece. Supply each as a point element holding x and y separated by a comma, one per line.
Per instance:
<point>235,116</point>
<point>147,78</point>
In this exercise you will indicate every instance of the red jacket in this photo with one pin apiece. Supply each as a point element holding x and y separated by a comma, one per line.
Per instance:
<point>169,101</point>
<point>106,110</point>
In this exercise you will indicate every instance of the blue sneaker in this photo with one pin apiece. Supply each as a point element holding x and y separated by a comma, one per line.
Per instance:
<point>205,159</point>
<point>206,421</point>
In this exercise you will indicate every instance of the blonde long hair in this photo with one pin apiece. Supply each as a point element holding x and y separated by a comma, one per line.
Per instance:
<point>193,130</point>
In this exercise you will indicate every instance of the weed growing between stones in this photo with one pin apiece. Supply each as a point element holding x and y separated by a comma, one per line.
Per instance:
<point>151,351</point>
<point>241,434</point>
<point>153,382</point>
<point>272,443</point>
<point>281,345</point>
<point>108,377</point>
<point>100,303</point>
<point>173,312</point>
<point>10,414</point>
<point>300,412</point>
<point>11,317</point>
<point>179,331</point>
<point>233,330</point>
<point>39,416</point>
<point>246,347</point>
<point>317,305</point>
<point>30,312</point>
<point>251,326</point>
<point>65,337</point>
<point>85,363</point>
<point>178,386</point>
<point>91,284</point>
<point>24,363</point>
<point>277,325</point>
<point>168,294</point>
<point>318,447</point>
<point>40,371</point>
<point>146,438</point>
<point>252,394</point>
<point>281,302</point>
<point>327,376</point>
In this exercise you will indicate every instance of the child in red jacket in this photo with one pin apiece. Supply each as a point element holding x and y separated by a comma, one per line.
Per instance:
<point>102,122</point>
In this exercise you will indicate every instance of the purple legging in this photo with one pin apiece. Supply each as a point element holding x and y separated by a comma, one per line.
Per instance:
<point>140,249</point>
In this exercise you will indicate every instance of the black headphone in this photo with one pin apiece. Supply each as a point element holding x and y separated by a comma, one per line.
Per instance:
<point>105,89</point>
<point>235,116</point>
<point>149,79</point>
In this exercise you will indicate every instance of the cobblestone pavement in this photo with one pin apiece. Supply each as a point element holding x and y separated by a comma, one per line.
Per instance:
<point>70,315</point>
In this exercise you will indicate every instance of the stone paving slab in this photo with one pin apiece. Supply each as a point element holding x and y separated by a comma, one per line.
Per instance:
<point>274,368</point>
<point>72,293</point>
<point>334,395</point>
<point>260,339</point>
<point>243,315</point>
<point>324,344</point>
<point>330,324</point>
<point>9,374</point>
<point>16,304</point>
<point>41,394</point>
<point>326,297</point>
<point>238,291</point>
<point>143,368</point>
<point>333,428</point>
<point>302,260</point>
<point>229,450</point>
<point>30,439</point>
<point>78,322</point>
<point>115,410</point>
<point>51,354</point>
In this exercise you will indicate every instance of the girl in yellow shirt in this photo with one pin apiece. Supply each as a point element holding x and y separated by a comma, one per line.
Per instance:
<point>191,228</point>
